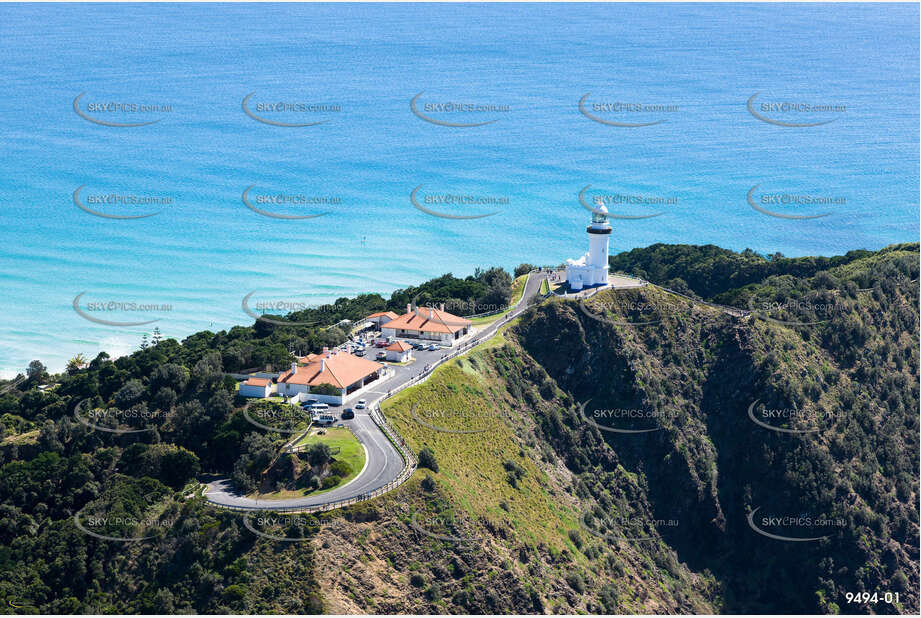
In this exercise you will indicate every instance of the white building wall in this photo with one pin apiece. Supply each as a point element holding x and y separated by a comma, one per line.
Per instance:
<point>398,357</point>
<point>248,390</point>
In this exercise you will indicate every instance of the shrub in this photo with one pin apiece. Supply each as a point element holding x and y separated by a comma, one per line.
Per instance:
<point>325,389</point>
<point>515,472</point>
<point>427,459</point>
<point>331,481</point>
<point>318,454</point>
<point>576,582</point>
<point>576,538</point>
<point>433,593</point>
<point>340,468</point>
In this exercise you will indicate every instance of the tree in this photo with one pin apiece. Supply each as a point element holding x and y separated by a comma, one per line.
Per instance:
<point>129,394</point>
<point>144,343</point>
<point>157,337</point>
<point>172,375</point>
<point>318,455</point>
<point>36,371</point>
<point>427,459</point>
<point>523,269</point>
<point>75,364</point>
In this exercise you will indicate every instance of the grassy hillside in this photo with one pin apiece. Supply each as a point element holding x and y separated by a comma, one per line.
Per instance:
<point>499,527</point>
<point>640,452</point>
<point>636,409</point>
<point>851,375</point>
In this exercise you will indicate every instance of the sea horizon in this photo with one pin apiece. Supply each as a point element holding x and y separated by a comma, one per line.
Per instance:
<point>683,118</point>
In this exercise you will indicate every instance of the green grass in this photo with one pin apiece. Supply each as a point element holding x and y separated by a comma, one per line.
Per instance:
<point>471,465</point>
<point>27,437</point>
<point>517,291</point>
<point>350,451</point>
<point>544,287</point>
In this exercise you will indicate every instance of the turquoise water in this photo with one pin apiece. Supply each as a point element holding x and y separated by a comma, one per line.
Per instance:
<point>530,64</point>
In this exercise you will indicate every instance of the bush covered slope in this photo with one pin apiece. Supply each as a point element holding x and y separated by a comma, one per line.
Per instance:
<point>617,455</point>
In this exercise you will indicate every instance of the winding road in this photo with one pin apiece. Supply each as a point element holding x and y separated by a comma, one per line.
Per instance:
<point>384,462</point>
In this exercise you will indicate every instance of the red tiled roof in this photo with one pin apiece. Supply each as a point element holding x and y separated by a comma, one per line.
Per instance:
<point>258,382</point>
<point>389,314</point>
<point>399,346</point>
<point>342,370</point>
<point>429,320</point>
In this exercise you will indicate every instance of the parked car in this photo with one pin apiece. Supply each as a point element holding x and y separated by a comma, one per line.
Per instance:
<point>361,405</point>
<point>326,419</point>
<point>418,346</point>
<point>432,347</point>
<point>348,413</point>
<point>360,352</point>
<point>381,355</point>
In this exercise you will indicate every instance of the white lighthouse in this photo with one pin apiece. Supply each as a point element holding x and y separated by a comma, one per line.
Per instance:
<point>592,268</point>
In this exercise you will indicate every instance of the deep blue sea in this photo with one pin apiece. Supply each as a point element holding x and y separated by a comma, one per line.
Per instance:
<point>686,72</point>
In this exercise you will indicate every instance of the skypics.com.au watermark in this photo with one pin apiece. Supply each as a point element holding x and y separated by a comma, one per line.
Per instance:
<point>634,313</point>
<point>120,114</point>
<point>114,420</point>
<point>472,307</point>
<point>119,526</point>
<point>610,201</point>
<point>437,419</point>
<point>111,307</point>
<point>795,114</point>
<point>266,203</point>
<point>625,528</point>
<point>264,307</point>
<point>289,528</point>
<point>444,527</point>
<point>804,421</point>
<point>272,416</point>
<point>457,114</point>
<point>117,202</point>
<point>800,528</point>
<point>785,204</point>
<point>818,312</point>
<point>288,113</point>
<point>615,113</point>
<point>427,200</point>
<point>625,420</point>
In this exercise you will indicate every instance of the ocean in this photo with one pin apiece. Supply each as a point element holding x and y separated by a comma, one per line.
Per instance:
<point>736,125</point>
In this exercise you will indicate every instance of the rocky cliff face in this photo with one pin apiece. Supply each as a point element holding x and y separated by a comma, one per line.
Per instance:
<point>645,453</point>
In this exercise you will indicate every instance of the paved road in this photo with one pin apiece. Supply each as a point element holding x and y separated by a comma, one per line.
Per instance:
<point>384,461</point>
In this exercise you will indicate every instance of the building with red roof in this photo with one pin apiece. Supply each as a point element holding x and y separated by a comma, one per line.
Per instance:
<point>428,324</point>
<point>333,371</point>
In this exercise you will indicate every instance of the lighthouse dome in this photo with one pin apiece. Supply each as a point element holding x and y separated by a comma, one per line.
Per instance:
<point>600,214</point>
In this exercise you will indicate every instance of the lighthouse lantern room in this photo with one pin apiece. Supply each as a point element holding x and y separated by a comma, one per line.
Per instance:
<point>592,268</point>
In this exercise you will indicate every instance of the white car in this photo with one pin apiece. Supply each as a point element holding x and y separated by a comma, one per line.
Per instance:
<point>361,405</point>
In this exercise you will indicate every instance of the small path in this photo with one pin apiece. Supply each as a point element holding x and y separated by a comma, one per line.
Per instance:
<point>385,466</point>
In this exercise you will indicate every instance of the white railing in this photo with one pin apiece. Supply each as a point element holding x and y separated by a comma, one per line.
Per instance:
<point>410,463</point>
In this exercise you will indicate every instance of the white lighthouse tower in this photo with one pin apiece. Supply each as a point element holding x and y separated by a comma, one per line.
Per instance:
<point>592,268</point>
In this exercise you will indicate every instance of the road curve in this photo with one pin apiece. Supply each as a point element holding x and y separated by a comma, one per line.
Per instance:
<point>384,462</point>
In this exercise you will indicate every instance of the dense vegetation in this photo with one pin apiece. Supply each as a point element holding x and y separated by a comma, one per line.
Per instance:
<point>173,408</point>
<point>546,496</point>
<point>708,270</point>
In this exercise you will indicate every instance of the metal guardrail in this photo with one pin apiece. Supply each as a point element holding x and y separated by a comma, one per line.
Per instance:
<point>410,463</point>
<point>319,508</point>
